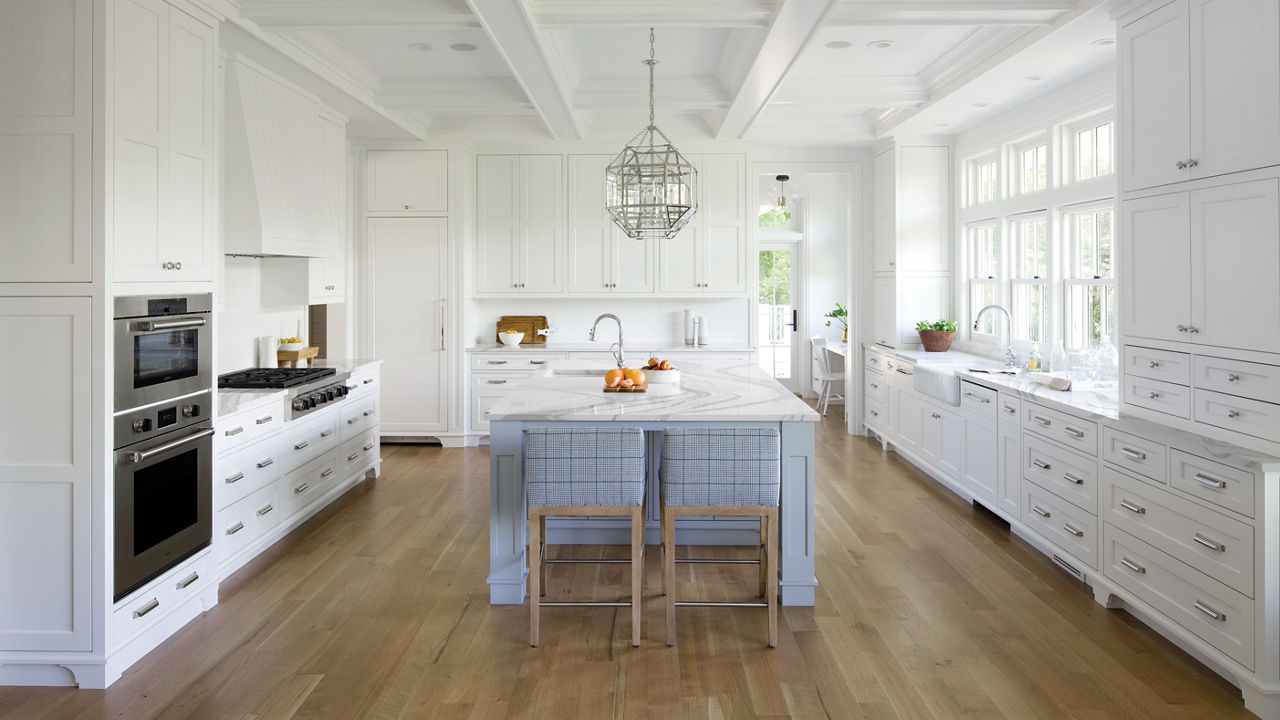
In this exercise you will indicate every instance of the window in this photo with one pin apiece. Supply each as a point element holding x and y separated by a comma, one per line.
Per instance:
<point>1092,148</point>
<point>984,179</point>
<point>1030,282</point>
<point>1089,280</point>
<point>985,276</point>
<point>1032,162</point>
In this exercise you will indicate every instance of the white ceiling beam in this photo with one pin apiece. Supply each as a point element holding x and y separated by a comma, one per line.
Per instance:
<point>285,15</point>
<point>794,26</point>
<point>654,13</point>
<point>673,95</point>
<point>456,96</point>
<point>948,12</point>
<point>512,30</point>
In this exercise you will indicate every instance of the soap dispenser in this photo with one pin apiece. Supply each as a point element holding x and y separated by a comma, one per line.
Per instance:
<point>1034,361</point>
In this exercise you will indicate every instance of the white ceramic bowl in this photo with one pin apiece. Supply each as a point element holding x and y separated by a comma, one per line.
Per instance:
<point>511,339</point>
<point>292,346</point>
<point>662,377</point>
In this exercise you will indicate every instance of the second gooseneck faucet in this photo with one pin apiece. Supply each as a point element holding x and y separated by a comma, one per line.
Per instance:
<point>616,348</point>
<point>1009,357</point>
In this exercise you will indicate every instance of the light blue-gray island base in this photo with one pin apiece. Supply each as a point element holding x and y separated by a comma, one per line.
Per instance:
<point>570,393</point>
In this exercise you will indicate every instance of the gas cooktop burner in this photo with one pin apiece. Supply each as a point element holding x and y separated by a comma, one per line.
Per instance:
<point>272,377</point>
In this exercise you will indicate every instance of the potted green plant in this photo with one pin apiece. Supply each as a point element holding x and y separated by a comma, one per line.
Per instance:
<point>936,336</point>
<point>840,315</point>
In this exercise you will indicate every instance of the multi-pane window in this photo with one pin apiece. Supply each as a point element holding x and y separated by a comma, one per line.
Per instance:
<point>1033,167</point>
<point>985,274</point>
<point>1029,236</point>
<point>1090,303</point>
<point>986,180</point>
<point>1093,150</point>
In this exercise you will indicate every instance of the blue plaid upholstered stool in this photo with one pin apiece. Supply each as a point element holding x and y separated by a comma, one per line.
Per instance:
<point>722,471</point>
<point>584,471</point>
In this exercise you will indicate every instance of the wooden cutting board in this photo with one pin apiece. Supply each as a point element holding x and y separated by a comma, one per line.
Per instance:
<point>527,324</point>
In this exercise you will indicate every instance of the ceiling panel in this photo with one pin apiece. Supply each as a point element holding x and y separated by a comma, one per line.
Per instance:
<point>914,48</point>
<point>612,52</point>
<point>394,53</point>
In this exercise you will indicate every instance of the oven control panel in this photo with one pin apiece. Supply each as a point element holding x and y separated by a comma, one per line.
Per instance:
<point>146,422</point>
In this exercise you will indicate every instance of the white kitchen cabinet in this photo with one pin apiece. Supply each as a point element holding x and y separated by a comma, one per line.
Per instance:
<point>602,259</point>
<point>303,281</point>
<point>920,297</point>
<point>981,465</point>
<point>885,259</point>
<point>1155,267</point>
<point>941,438</point>
<point>1192,104</point>
<point>520,224</point>
<point>1009,455</point>
<point>407,277</point>
<point>163,194</point>
<point>46,129</point>
<point>905,410</point>
<point>709,255</point>
<point>406,182</point>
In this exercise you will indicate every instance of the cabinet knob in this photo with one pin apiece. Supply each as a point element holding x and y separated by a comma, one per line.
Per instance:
<point>406,207</point>
<point>1233,414</point>
<point>1232,377</point>
<point>177,266</point>
<point>1182,328</point>
<point>1182,165</point>
<point>1154,364</point>
<point>1192,163</point>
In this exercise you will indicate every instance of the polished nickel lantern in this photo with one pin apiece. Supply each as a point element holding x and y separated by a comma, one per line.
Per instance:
<point>650,188</point>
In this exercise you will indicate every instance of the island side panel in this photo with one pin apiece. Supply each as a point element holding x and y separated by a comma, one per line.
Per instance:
<point>797,555</point>
<point>508,514</point>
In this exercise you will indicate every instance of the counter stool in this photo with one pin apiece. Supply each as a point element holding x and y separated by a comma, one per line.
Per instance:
<point>584,471</point>
<point>722,471</point>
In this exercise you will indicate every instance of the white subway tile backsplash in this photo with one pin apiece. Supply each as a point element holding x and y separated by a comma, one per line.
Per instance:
<point>244,317</point>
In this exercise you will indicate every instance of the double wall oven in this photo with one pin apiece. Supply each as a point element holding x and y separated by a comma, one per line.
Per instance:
<point>163,430</point>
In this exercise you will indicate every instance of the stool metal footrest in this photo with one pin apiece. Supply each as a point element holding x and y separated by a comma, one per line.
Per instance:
<point>713,561</point>
<point>587,561</point>
<point>698,603</point>
<point>585,603</point>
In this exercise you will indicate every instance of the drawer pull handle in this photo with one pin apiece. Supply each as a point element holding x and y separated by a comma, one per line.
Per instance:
<point>353,456</point>
<point>1073,530</point>
<point>1154,364</point>
<point>327,472</point>
<point>1233,414</point>
<point>1220,617</point>
<point>1210,482</point>
<point>497,382</point>
<point>366,381</point>
<point>876,414</point>
<point>235,478</point>
<point>235,528</point>
<point>1211,544</point>
<point>351,420</point>
<point>1136,509</point>
<point>368,447</point>
<point>1073,479</point>
<point>1011,410</point>
<point>1073,432</point>
<point>975,396</point>
<point>537,362</point>
<point>234,431</point>
<point>146,608</point>
<point>1040,511</point>
<point>265,463</point>
<point>367,413</point>
<point>187,582</point>
<point>326,433</point>
<point>265,509</point>
<point>301,445</point>
<point>1043,422</point>
<point>903,371</point>
<point>1133,566</point>
<point>301,488</point>
<point>1232,377</point>
<point>497,362</point>
<point>1133,454</point>
<point>264,420</point>
<point>1040,464</point>
<point>1153,395</point>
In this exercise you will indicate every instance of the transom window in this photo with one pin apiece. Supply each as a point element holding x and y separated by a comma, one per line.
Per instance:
<point>986,180</point>
<point>1033,167</point>
<point>1093,149</point>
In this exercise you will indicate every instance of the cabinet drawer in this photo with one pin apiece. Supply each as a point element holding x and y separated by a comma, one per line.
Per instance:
<point>876,416</point>
<point>874,360</point>
<point>364,382</point>
<point>1008,411</point>
<point>358,416</point>
<point>1238,414</point>
<point>1213,482</point>
<point>500,380</point>
<point>1134,453</point>
<point>1212,611</point>
<point>307,483</point>
<point>512,361</point>
<point>1068,474</point>
<point>313,438</point>
<point>247,520</point>
<point>1235,377</point>
<point>1071,431</point>
<point>1214,544</point>
<point>1061,523</point>
<point>1157,395</point>
<point>245,471</point>
<point>1153,364</point>
<point>357,453</point>
<point>242,428</point>
<point>876,389</point>
<point>979,400</point>
<point>158,598</point>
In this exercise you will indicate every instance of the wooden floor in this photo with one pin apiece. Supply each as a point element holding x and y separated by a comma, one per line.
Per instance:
<point>928,608</point>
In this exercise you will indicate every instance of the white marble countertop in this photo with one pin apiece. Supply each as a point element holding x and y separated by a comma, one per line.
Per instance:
<point>632,348</point>
<point>735,392</point>
<point>343,365</point>
<point>232,401</point>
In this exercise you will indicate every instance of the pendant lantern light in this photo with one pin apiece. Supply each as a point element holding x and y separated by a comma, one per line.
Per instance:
<point>782,189</point>
<point>650,188</point>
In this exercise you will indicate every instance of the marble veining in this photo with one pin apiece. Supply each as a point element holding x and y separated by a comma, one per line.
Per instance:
<point>1087,399</point>
<point>634,349</point>
<point>344,365</point>
<point>708,392</point>
<point>233,401</point>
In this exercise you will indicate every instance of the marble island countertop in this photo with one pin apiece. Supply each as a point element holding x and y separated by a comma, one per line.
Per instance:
<point>632,348</point>
<point>708,392</point>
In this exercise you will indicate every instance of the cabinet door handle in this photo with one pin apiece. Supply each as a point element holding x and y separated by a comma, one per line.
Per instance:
<point>234,431</point>
<point>366,381</point>
<point>1133,454</point>
<point>1211,544</point>
<point>1074,480</point>
<point>186,583</point>
<point>1181,164</point>
<point>367,413</point>
<point>1232,377</point>
<point>1220,617</point>
<point>351,421</point>
<point>874,413</point>
<point>974,396</point>
<point>368,447</point>
<point>1040,463</point>
<point>146,608</point>
<point>264,420</point>
<point>537,362</point>
<point>1153,395</point>
<point>875,386</point>
<point>497,362</point>
<point>1136,509</point>
<point>1040,511</point>
<point>1133,566</point>
<point>235,528</point>
<point>353,456</point>
<point>1182,328</point>
<point>301,445</point>
<point>1208,481</point>
<point>1042,422</point>
<point>301,488</point>
<point>1154,364</point>
<point>1233,414</point>
<point>327,472</point>
<point>326,433</point>
<point>235,478</point>
<point>265,463</point>
<point>935,416</point>
<point>1192,163</point>
<point>265,509</point>
<point>1073,529</point>
<point>497,382</point>
<point>1011,410</point>
<point>1073,432</point>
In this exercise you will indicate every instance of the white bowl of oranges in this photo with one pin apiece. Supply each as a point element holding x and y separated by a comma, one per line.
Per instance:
<point>660,372</point>
<point>293,344</point>
<point>511,338</point>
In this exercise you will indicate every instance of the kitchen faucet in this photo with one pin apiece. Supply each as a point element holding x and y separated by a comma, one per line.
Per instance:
<point>1010,358</point>
<point>617,354</point>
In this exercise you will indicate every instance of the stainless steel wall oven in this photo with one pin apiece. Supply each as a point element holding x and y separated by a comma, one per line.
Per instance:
<point>163,348</point>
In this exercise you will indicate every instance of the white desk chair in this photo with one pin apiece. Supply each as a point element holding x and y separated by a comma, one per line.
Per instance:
<point>830,367</point>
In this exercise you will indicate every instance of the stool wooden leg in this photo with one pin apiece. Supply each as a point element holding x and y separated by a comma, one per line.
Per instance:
<point>762,554</point>
<point>637,571</point>
<point>771,552</point>
<point>535,573</point>
<point>669,571</point>
<point>542,551</point>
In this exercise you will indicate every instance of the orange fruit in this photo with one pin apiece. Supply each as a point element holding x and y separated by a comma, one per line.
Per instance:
<point>633,375</point>
<point>613,377</point>
<point>625,383</point>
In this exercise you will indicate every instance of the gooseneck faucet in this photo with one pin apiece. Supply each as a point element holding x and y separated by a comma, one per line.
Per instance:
<point>1010,358</point>
<point>615,348</point>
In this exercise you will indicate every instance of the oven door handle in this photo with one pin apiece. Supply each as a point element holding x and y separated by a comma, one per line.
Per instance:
<point>143,456</point>
<point>153,325</point>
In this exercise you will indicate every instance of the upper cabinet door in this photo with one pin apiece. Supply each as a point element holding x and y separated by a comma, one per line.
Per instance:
<point>191,202</point>
<point>498,216</point>
<point>590,243</point>
<point>724,242</point>
<point>1236,260</point>
<point>542,244</point>
<point>678,262</point>
<point>723,260</point>
<point>923,242</point>
<point>1235,99</point>
<point>885,260</point>
<point>1155,267</point>
<point>1154,99</point>
<point>634,263</point>
<point>407,182</point>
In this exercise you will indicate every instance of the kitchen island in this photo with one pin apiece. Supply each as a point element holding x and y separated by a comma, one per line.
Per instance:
<point>570,393</point>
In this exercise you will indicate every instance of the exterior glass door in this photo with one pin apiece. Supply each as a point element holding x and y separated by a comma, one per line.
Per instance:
<point>779,294</point>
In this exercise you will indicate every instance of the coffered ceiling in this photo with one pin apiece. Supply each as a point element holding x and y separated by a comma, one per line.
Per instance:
<point>778,71</point>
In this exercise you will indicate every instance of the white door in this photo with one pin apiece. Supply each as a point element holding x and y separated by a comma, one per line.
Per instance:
<point>1155,267</point>
<point>406,271</point>
<point>497,217</point>
<point>1155,98</point>
<point>778,336</point>
<point>678,262</point>
<point>407,181</point>
<point>190,185</point>
<point>541,223</point>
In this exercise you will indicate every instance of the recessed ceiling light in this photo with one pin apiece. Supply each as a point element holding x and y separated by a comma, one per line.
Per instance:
<point>982,105</point>
<point>880,44</point>
<point>420,47</point>
<point>1103,42</point>
<point>839,44</point>
<point>1033,78</point>
<point>462,47</point>
<point>942,125</point>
